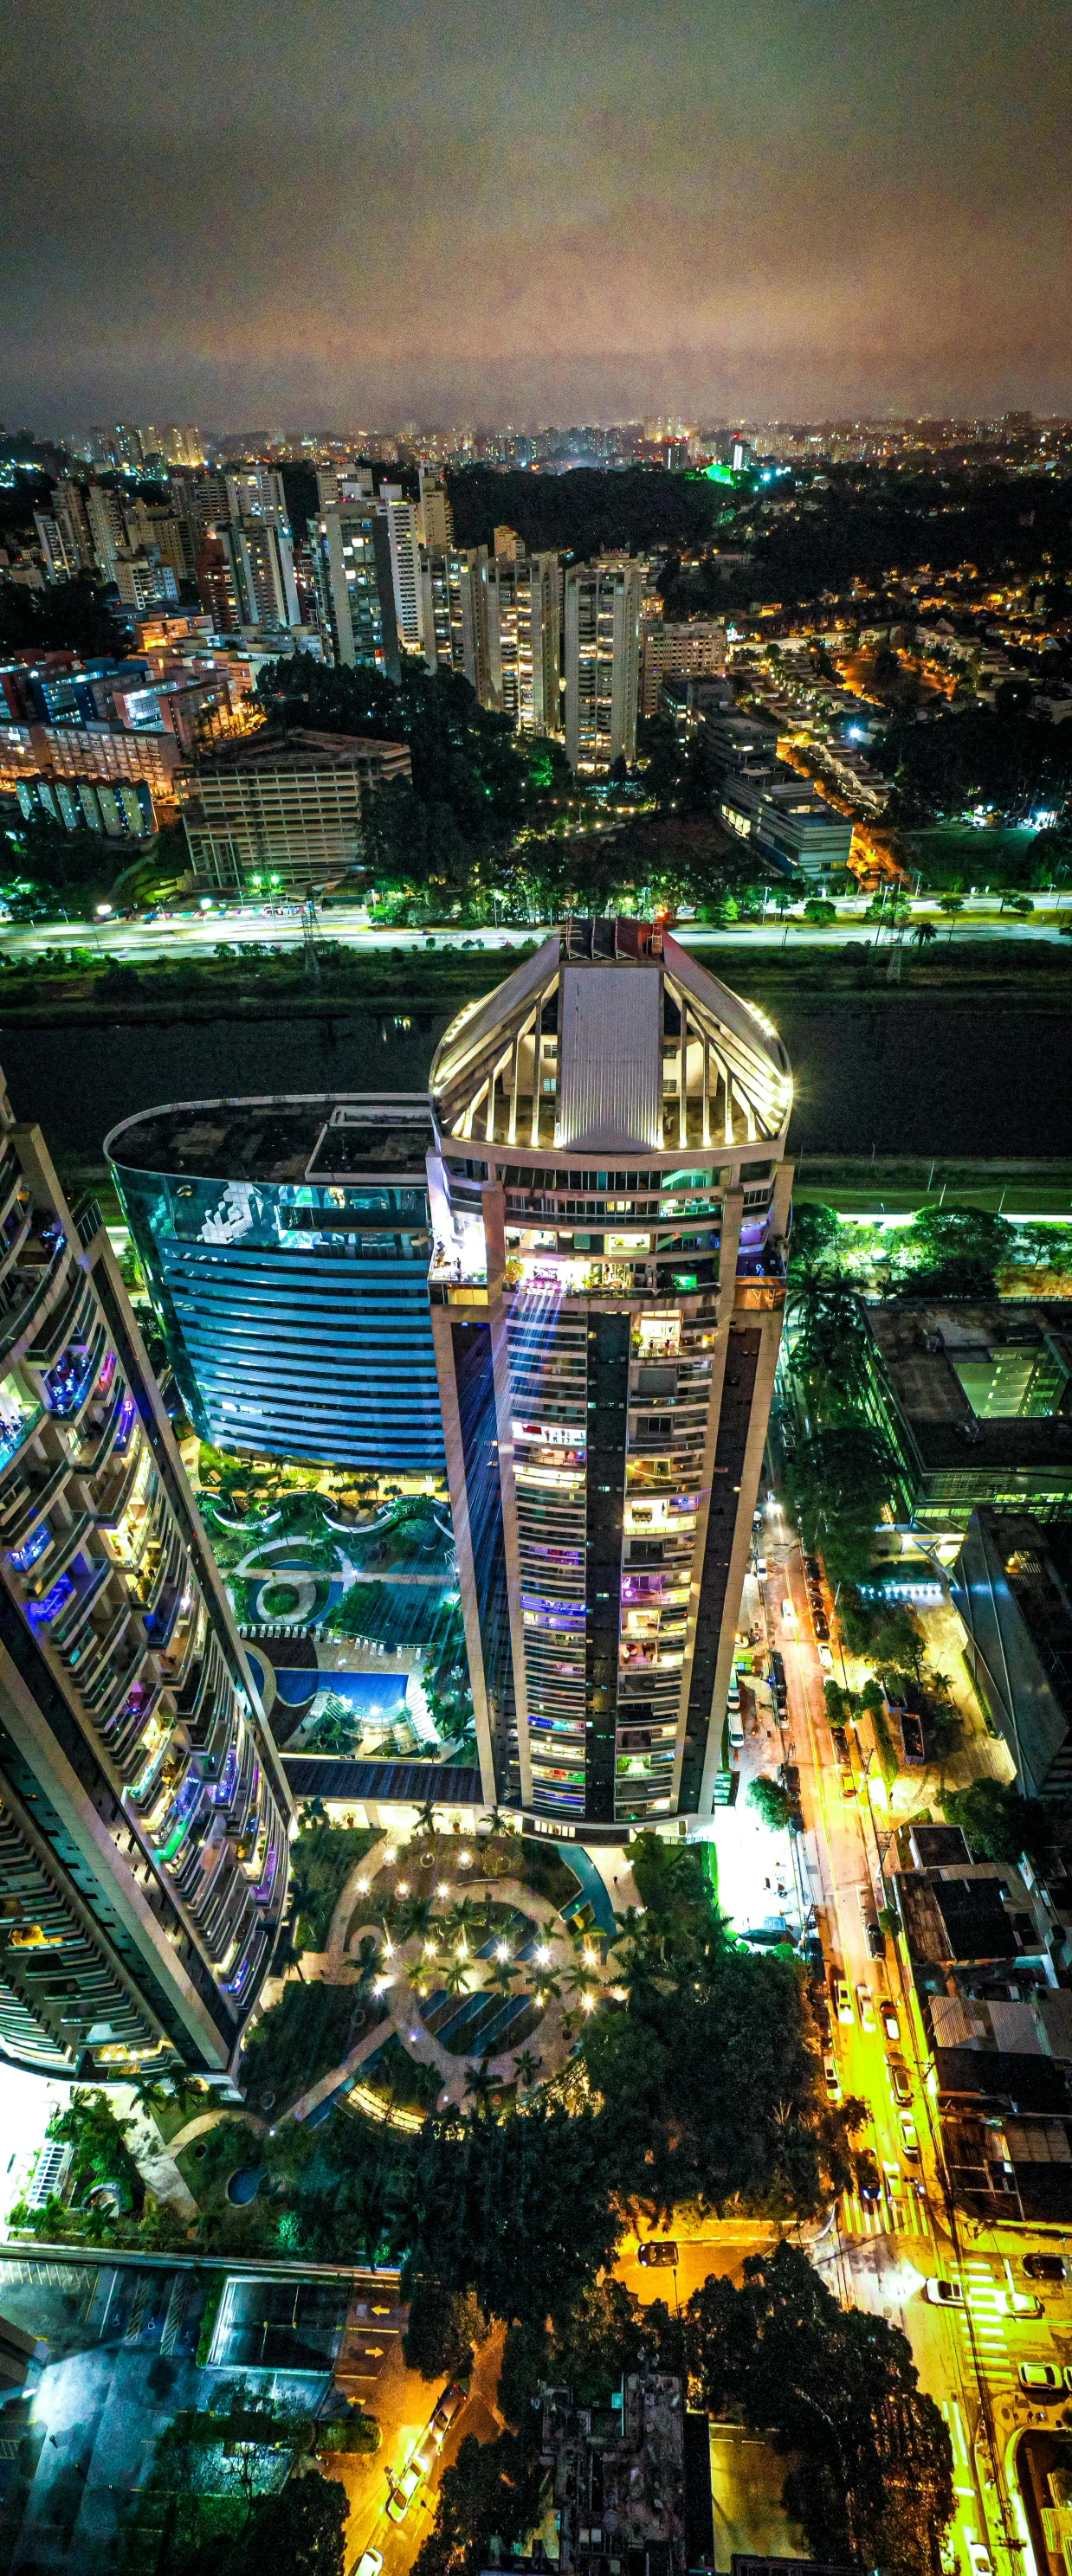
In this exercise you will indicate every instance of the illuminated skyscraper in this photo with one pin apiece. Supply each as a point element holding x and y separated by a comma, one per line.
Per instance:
<point>609,1200</point>
<point>143,1812</point>
<point>602,661</point>
<point>350,544</point>
<point>524,594</point>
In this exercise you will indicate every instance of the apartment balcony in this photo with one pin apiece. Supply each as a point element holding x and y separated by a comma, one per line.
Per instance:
<point>761,1282</point>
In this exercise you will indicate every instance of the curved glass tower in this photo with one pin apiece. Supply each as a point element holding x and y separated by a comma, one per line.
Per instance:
<point>609,1198</point>
<point>143,1812</point>
<point>285,1244</point>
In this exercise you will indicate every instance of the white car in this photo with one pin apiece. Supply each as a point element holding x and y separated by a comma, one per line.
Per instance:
<point>1020,2303</point>
<point>863,1998</point>
<point>789,1616</point>
<point>944,2294</point>
<point>825,1657</point>
<point>979,2560</point>
<point>909,2137</point>
<point>370,2564</point>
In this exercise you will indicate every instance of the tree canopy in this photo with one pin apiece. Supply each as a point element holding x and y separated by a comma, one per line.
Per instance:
<point>840,1479</point>
<point>873,2476</point>
<point>997,1822</point>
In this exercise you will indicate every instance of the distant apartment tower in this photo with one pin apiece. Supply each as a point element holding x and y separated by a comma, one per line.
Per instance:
<point>455,614</point>
<point>672,650</point>
<point>285,1245</point>
<point>283,809</point>
<point>152,524</point>
<point>350,546</point>
<point>143,1813</point>
<point>524,614</point>
<point>107,526</point>
<point>601,631</point>
<point>256,492</point>
<point>72,519</point>
<point>259,559</point>
<point>436,516</point>
<point>403,532</point>
<point>609,1200</point>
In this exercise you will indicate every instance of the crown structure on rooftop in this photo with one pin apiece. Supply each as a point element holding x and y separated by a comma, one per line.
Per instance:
<point>612,1038</point>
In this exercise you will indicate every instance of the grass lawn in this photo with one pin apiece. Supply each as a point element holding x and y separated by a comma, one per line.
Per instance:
<point>988,857</point>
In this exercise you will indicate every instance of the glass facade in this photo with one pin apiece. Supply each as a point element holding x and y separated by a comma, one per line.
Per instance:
<point>295,1309</point>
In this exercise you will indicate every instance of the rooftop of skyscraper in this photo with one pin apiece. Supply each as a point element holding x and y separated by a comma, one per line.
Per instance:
<point>650,1053</point>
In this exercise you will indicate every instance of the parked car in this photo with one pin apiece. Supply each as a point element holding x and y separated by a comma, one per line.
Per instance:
<point>846,1783</point>
<point>403,2490</point>
<point>863,1999</point>
<point>660,2251</point>
<point>833,2080</point>
<point>370,2564</point>
<point>842,2000</point>
<point>1044,2267</point>
<point>1042,2379</point>
<point>812,1569</point>
<point>789,1616</point>
<point>826,1658</point>
<point>909,2137</point>
<point>900,2085</point>
<point>979,2559</point>
<point>449,2405</point>
<point>840,1742</point>
<point>1022,2303</point>
<point>821,1629</point>
<point>944,2294</point>
<point>890,2023</point>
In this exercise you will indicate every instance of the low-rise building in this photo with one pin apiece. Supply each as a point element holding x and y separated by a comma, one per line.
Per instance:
<point>975,1403</point>
<point>285,809</point>
<point>1012,1584</point>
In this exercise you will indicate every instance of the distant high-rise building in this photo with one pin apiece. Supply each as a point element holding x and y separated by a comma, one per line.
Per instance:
<point>143,581</point>
<point>177,446</point>
<point>143,1812</point>
<point>678,650</point>
<point>152,523</point>
<point>53,544</point>
<point>350,545</point>
<point>260,557</point>
<point>436,518</point>
<point>126,441</point>
<point>294,1309</point>
<point>455,614</point>
<point>107,526</point>
<point>256,492</point>
<point>402,528</point>
<point>601,627</point>
<point>524,610</point>
<point>200,500</point>
<point>609,1201</point>
<point>72,519</point>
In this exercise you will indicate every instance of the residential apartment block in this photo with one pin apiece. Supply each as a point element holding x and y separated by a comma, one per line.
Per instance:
<point>144,1816</point>
<point>286,808</point>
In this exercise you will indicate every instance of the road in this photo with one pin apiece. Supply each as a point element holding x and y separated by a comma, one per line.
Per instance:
<point>196,932</point>
<point>403,2403</point>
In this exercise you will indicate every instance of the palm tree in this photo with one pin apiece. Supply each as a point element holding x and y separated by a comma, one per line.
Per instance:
<point>481,2088</point>
<point>455,1978</point>
<point>503,1974</point>
<point>426,1822</point>
<point>463,1920</point>
<point>526,2069</point>
<point>415,1918</point>
<point>923,934</point>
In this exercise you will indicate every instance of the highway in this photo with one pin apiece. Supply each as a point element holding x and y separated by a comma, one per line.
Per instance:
<point>193,930</point>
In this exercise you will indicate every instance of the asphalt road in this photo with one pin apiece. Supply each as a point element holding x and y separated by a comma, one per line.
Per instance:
<point>194,932</point>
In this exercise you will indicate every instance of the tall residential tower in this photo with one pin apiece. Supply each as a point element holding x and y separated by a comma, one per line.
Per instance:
<point>609,1198</point>
<point>143,1811</point>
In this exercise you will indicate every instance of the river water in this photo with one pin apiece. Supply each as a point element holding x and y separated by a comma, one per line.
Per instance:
<point>923,1076</point>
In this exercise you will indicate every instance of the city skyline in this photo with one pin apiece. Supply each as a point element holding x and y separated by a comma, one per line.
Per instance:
<point>721,215</point>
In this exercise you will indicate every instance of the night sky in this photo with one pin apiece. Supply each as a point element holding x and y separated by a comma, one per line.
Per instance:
<point>339,212</point>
